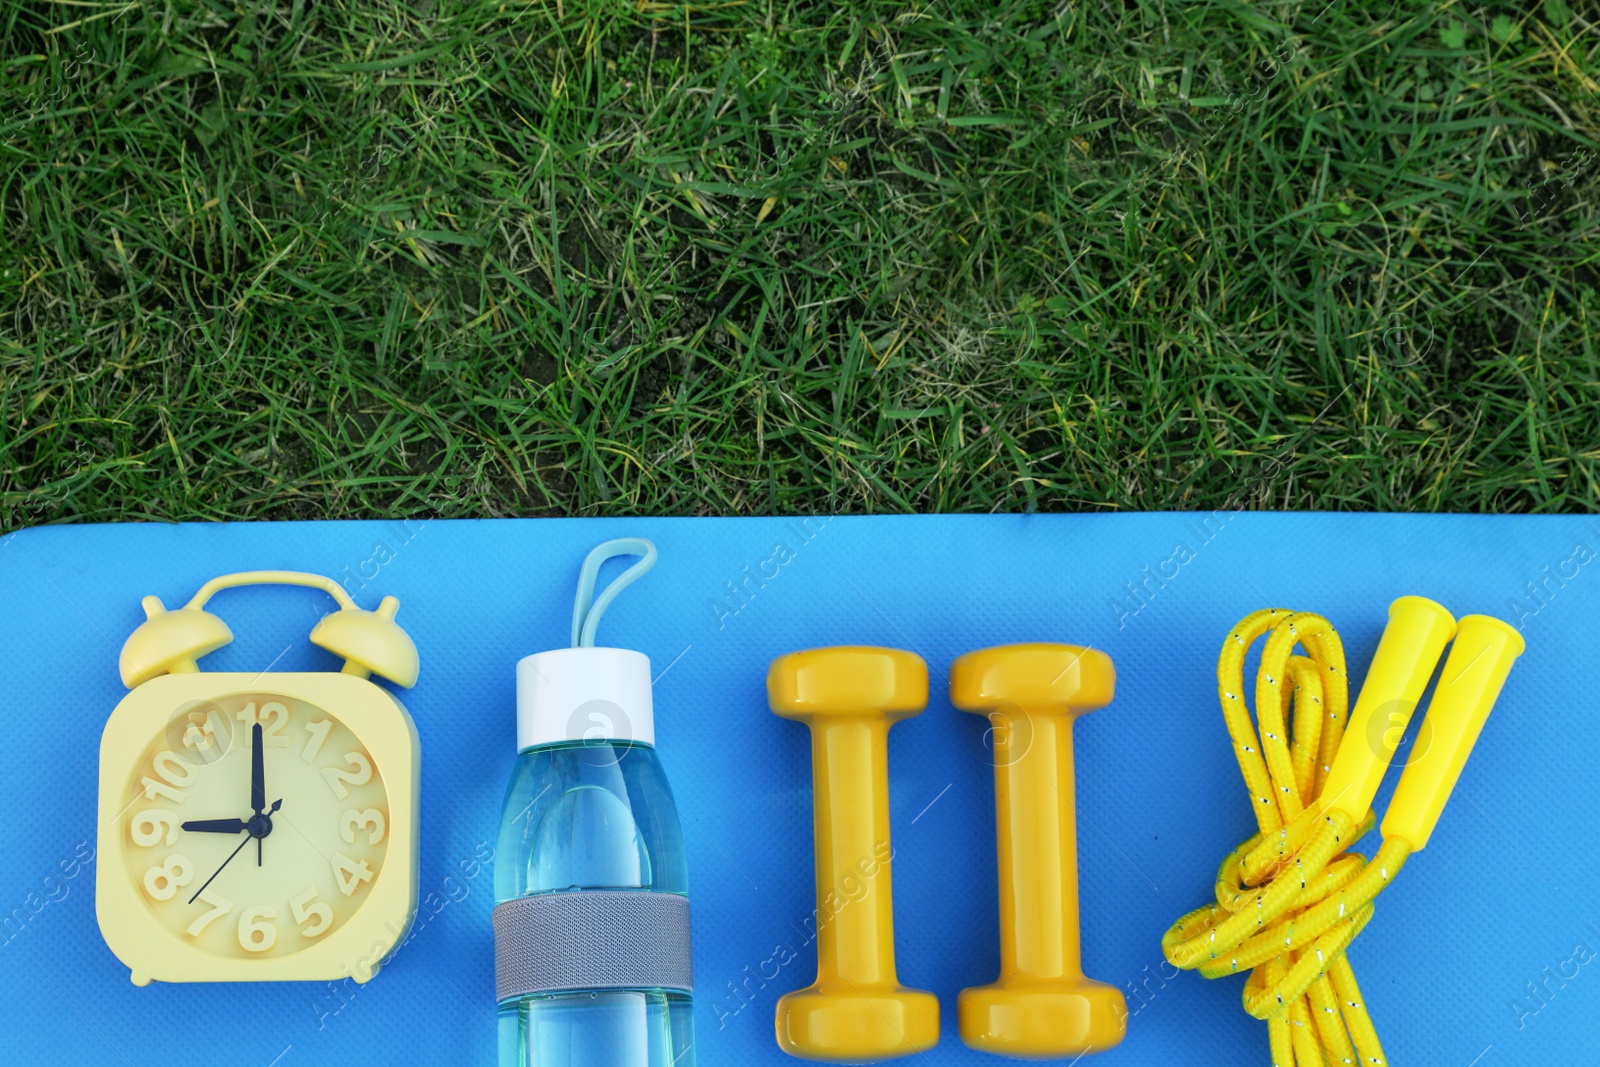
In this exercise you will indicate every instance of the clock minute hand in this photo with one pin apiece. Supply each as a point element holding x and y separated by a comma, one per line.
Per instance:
<point>258,788</point>
<point>217,826</point>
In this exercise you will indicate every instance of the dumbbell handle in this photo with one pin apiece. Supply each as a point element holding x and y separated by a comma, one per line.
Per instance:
<point>855,913</point>
<point>1037,834</point>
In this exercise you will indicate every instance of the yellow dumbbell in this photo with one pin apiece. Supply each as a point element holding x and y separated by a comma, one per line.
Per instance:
<point>857,1010</point>
<point>1041,1006</point>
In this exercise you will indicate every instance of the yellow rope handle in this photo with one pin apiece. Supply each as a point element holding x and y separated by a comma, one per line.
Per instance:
<point>1290,899</point>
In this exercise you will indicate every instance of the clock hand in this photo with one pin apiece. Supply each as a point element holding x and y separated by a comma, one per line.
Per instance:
<point>259,826</point>
<point>258,789</point>
<point>218,871</point>
<point>264,824</point>
<point>217,826</point>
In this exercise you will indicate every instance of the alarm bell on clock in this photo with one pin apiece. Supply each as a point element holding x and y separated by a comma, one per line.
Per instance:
<point>258,826</point>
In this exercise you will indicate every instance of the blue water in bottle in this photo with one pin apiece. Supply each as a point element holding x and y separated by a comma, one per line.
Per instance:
<point>591,882</point>
<point>580,816</point>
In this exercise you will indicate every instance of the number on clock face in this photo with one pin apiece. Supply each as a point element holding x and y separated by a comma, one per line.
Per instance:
<point>307,909</point>
<point>273,717</point>
<point>358,773</point>
<point>218,905</point>
<point>206,736</point>
<point>258,824</point>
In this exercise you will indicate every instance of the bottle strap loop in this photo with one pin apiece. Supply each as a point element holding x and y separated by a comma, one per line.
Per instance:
<point>586,616</point>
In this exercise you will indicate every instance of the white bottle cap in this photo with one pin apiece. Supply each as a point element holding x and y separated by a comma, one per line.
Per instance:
<point>584,694</point>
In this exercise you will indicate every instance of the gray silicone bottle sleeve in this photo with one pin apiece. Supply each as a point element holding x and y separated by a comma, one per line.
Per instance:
<point>592,939</point>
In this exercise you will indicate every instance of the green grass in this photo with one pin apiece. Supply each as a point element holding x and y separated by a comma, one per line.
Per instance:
<point>303,260</point>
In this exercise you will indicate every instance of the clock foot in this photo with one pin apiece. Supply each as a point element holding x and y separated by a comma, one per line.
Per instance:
<point>139,978</point>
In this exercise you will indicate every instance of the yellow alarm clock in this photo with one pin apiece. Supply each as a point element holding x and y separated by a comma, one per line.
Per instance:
<point>258,826</point>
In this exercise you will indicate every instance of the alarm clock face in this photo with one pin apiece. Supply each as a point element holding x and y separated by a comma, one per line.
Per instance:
<point>254,824</point>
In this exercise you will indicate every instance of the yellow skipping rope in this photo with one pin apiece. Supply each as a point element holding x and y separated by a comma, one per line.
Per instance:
<point>1290,899</point>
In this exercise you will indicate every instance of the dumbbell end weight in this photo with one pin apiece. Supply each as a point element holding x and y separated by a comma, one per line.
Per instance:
<point>1065,678</point>
<point>1041,1021</point>
<point>848,682</point>
<point>836,1023</point>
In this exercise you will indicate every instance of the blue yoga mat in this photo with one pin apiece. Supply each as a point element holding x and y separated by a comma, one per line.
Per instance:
<point>1485,952</point>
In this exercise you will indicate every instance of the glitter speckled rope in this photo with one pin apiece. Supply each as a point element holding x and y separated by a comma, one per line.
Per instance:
<point>1291,899</point>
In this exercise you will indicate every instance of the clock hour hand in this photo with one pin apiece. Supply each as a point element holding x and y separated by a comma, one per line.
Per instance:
<point>259,827</point>
<point>217,826</point>
<point>258,788</point>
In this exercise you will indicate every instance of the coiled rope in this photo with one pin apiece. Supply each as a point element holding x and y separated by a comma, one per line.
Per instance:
<point>1290,899</point>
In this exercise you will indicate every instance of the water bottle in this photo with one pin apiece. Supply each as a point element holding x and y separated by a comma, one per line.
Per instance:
<point>592,960</point>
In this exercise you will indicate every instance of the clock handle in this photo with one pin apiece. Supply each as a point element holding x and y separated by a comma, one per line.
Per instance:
<point>171,642</point>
